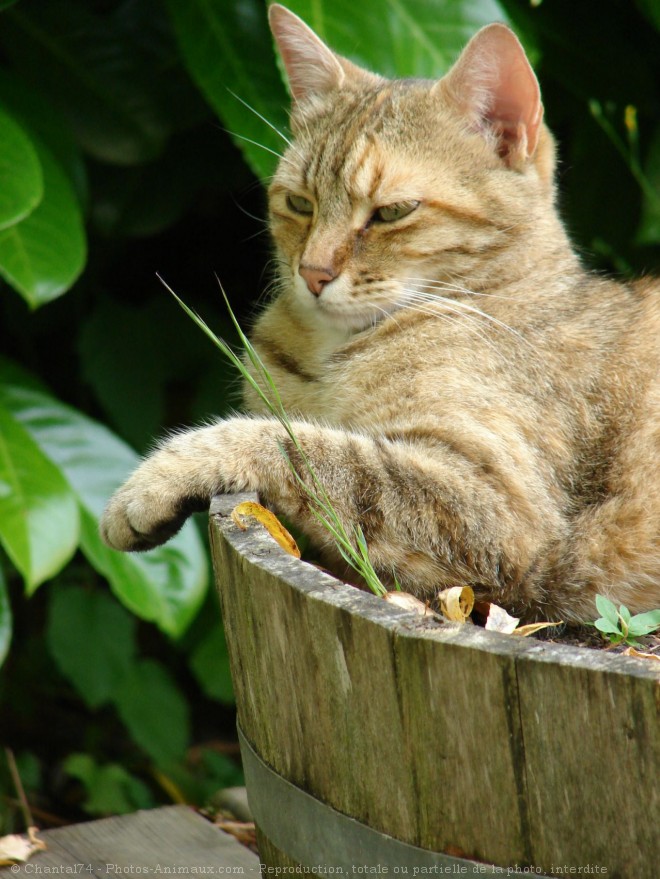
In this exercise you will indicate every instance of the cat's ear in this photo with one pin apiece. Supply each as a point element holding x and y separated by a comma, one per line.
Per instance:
<point>311,67</point>
<point>494,85</point>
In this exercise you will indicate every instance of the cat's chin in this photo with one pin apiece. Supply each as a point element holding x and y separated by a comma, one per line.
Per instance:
<point>351,318</point>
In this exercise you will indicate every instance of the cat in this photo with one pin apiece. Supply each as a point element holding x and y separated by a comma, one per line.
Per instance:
<point>481,406</point>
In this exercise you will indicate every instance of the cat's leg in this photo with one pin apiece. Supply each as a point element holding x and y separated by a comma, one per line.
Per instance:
<point>430,519</point>
<point>614,548</point>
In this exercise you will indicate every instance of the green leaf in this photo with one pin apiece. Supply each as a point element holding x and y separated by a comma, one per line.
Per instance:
<point>42,120</point>
<point>625,614</point>
<point>111,790</point>
<point>649,227</point>
<point>645,623</point>
<point>398,37</point>
<point>154,711</point>
<point>5,620</point>
<point>43,255</point>
<point>608,627</point>
<point>209,662</point>
<point>228,51</point>
<point>165,586</point>
<point>106,70</point>
<point>651,9</point>
<point>21,181</point>
<point>39,525</point>
<point>92,640</point>
<point>608,610</point>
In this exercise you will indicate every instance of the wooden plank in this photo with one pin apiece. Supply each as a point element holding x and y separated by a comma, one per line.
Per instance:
<point>463,744</point>
<point>439,736</point>
<point>300,646</point>
<point>592,751</point>
<point>171,840</point>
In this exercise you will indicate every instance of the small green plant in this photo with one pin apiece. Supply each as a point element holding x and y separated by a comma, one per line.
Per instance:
<point>620,626</point>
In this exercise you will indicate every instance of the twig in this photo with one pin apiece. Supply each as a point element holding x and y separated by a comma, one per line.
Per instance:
<point>20,790</point>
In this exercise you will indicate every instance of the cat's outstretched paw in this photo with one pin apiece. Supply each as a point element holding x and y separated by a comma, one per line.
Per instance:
<point>141,515</point>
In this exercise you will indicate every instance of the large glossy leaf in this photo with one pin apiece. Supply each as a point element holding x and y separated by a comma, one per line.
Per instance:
<point>209,662</point>
<point>160,723</point>
<point>43,255</point>
<point>651,8</point>
<point>230,55</point>
<point>21,183</point>
<point>40,118</point>
<point>92,639</point>
<point>111,790</point>
<point>398,37</point>
<point>5,619</point>
<point>228,51</point>
<point>165,586</point>
<point>105,69</point>
<point>38,512</point>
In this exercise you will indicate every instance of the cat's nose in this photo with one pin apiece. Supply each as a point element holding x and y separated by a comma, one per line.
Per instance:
<point>316,278</point>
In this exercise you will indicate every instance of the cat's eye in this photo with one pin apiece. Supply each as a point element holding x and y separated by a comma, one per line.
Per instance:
<point>299,204</point>
<point>390,213</point>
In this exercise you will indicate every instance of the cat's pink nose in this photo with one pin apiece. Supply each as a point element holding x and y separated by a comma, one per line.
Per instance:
<point>316,278</point>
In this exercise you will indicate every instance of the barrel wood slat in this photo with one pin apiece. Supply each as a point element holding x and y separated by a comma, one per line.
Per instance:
<point>508,750</point>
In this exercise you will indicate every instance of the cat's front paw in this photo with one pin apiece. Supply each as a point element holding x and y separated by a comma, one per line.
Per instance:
<point>145,512</point>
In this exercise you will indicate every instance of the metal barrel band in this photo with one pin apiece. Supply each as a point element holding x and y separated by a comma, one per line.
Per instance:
<point>328,842</point>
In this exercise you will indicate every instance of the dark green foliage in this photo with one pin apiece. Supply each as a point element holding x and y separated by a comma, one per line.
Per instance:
<point>127,150</point>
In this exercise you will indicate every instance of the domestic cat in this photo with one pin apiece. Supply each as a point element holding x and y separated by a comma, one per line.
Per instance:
<point>483,408</point>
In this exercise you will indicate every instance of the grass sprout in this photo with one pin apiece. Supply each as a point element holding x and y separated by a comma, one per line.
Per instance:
<point>352,544</point>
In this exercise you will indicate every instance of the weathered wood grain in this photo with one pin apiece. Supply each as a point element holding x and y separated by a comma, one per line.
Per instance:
<point>170,841</point>
<point>509,750</point>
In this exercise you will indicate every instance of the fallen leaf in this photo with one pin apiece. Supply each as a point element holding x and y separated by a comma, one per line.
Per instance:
<point>531,628</point>
<point>243,831</point>
<point>456,603</point>
<point>630,651</point>
<point>406,601</point>
<point>498,620</point>
<point>270,522</point>
<point>15,848</point>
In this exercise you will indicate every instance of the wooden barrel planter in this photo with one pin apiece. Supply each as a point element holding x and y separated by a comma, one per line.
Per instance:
<point>373,743</point>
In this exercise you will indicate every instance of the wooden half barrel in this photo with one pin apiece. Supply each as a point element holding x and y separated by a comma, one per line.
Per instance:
<point>374,742</point>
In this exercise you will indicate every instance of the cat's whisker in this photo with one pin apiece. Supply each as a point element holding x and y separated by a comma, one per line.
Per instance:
<point>470,317</point>
<point>436,283</point>
<point>260,116</point>
<point>427,296</point>
<point>426,306</point>
<point>280,156</point>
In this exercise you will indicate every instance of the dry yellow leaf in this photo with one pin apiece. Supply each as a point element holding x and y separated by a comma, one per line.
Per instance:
<point>406,601</point>
<point>456,603</point>
<point>632,652</point>
<point>531,628</point>
<point>270,522</point>
<point>15,848</point>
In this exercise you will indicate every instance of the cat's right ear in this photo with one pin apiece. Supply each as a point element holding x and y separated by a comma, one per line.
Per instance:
<point>311,67</point>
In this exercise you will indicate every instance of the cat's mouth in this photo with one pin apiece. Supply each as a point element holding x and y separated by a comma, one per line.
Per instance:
<point>346,307</point>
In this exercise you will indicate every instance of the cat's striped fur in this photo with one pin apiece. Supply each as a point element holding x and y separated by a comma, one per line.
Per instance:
<point>482,407</point>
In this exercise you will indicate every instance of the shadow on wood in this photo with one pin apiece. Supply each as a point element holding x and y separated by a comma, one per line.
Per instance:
<point>489,748</point>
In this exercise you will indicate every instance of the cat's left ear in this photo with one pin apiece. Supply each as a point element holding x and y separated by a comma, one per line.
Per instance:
<point>494,85</point>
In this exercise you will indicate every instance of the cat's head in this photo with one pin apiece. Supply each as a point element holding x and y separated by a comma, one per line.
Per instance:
<point>391,187</point>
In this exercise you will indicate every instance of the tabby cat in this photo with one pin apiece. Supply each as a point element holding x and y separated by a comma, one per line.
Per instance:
<point>483,408</point>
